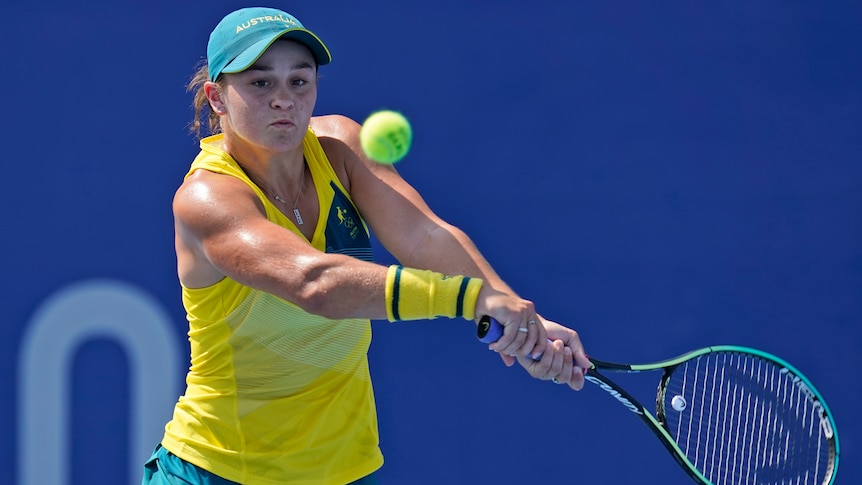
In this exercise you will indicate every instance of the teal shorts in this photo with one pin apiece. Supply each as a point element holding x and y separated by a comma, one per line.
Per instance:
<point>166,468</point>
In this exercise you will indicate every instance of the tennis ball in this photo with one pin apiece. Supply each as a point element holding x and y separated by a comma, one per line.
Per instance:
<point>386,136</point>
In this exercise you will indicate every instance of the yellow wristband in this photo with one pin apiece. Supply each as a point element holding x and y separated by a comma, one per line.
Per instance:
<point>416,294</point>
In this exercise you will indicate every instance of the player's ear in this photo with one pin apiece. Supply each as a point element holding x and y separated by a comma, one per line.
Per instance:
<point>214,96</point>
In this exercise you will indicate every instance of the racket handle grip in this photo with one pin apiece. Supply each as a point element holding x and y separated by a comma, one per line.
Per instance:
<point>489,331</point>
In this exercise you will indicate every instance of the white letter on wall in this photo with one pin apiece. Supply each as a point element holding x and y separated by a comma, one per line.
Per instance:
<point>77,313</point>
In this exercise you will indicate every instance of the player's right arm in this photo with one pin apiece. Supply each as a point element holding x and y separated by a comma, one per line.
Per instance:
<point>222,230</point>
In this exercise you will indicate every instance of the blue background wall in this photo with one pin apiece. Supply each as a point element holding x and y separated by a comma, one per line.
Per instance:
<point>659,177</point>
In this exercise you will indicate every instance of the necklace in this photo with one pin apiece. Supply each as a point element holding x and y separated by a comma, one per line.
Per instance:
<point>296,213</point>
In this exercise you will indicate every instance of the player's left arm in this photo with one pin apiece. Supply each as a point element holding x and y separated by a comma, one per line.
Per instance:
<point>396,213</point>
<point>412,232</point>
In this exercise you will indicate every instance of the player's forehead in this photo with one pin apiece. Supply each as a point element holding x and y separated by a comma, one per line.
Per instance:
<point>295,54</point>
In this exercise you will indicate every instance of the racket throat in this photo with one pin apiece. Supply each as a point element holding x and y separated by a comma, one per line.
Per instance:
<point>619,396</point>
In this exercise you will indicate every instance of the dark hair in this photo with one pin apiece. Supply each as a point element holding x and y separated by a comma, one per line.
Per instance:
<point>201,104</point>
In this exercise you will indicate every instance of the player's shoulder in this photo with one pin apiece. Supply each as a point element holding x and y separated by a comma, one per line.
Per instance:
<point>204,188</point>
<point>337,135</point>
<point>334,126</point>
<point>339,138</point>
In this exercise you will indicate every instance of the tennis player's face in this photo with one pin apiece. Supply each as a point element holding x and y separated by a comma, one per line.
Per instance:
<point>269,105</point>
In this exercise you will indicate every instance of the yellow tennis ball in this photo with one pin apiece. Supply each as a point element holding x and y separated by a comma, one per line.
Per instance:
<point>386,136</point>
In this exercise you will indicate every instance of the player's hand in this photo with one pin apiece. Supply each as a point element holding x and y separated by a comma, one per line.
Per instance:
<point>523,332</point>
<point>564,362</point>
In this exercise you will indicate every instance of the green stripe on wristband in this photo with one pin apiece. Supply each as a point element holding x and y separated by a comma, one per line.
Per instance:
<point>396,294</point>
<point>462,291</point>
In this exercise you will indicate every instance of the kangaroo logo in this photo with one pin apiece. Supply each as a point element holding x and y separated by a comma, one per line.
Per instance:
<point>347,221</point>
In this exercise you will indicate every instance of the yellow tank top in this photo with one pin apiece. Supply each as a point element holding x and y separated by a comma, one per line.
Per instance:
<point>274,394</point>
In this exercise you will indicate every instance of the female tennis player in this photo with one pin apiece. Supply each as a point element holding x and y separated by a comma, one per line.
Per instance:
<point>278,280</point>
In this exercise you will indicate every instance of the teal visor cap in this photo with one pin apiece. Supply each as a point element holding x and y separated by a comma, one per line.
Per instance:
<point>244,35</point>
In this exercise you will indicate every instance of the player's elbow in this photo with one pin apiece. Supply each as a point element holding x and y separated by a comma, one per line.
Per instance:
<point>318,294</point>
<point>314,299</point>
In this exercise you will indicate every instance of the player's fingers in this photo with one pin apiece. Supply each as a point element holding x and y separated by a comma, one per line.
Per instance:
<point>577,380</point>
<point>565,375</point>
<point>531,347</point>
<point>506,340</point>
<point>519,333</point>
<point>541,368</point>
<point>536,325</point>
<point>582,360</point>
<point>508,360</point>
<point>496,346</point>
<point>555,353</point>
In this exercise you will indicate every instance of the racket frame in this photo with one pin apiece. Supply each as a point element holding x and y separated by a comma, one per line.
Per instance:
<point>488,330</point>
<point>658,424</point>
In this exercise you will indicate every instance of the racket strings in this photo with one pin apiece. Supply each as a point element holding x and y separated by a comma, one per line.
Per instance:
<point>746,421</point>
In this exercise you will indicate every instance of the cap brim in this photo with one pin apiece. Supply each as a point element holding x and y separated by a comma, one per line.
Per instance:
<point>249,56</point>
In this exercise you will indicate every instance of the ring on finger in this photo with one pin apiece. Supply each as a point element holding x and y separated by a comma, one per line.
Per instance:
<point>555,380</point>
<point>531,322</point>
<point>523,329</point>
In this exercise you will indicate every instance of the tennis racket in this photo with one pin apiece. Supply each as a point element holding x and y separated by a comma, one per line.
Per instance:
<point>730,415</point>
